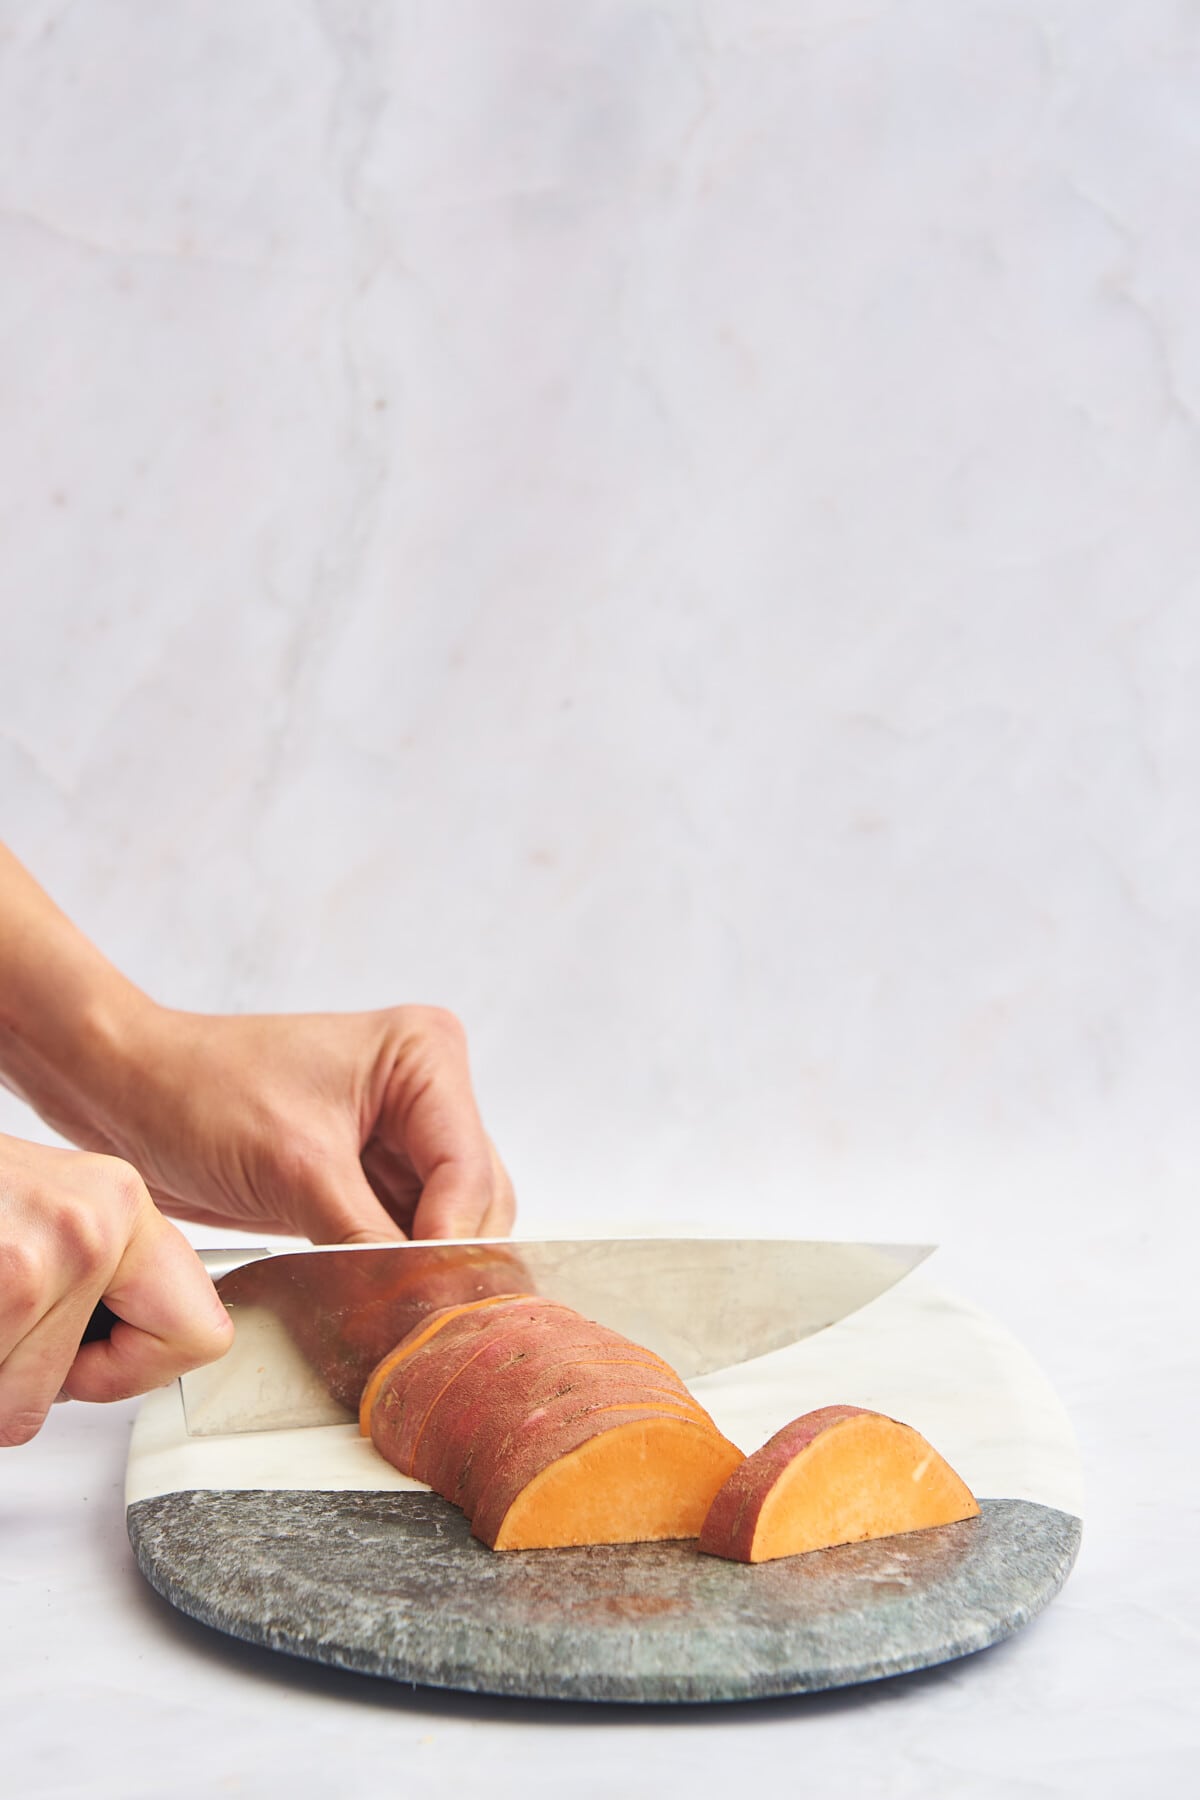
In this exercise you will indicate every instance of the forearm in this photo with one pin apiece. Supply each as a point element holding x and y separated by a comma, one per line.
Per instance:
<point>68,1018</point>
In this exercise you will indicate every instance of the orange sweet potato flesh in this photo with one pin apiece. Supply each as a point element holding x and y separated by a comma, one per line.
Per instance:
<point>834,1476</point>
<point>644,1479</point>
<point>512,1446</point>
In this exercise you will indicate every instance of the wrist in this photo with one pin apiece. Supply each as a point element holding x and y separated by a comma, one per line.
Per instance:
<point>74,1050</point>
<point>117,1046</point>
<point>74,1032</point>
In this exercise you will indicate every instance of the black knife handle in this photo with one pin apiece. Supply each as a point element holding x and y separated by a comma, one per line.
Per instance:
<point>99,1326</point>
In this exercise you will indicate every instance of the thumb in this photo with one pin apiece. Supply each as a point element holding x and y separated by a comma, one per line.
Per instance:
<point>169,1317</point>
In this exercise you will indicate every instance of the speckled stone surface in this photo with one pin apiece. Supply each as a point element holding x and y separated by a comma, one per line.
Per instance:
<point>394,1585</point>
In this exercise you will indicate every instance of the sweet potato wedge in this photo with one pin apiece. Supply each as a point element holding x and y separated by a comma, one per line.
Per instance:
<point>834,1476</point>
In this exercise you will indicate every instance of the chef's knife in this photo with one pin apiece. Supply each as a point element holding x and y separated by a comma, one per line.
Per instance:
<point>312,1324</point>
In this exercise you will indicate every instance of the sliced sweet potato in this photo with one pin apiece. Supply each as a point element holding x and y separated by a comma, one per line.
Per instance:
<point>498,1395</point>
<point>514,1442</point>
<point>579,1377</point>
<point>466,1369</point>
<point>641,1479</point>
<point>426,1379</point>
<point>502,1362</point>
<point>834,1476</point>
<point>512,1447</point>
<point>482,1404</point>
<point>444,1342</point>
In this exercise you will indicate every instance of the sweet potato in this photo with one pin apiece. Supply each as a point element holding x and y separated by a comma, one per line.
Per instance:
<point>464,1359</point>
<point>834,1476</point>
<point>547,1429</point>
<point>501,1387</point>
<point>641,1478</point>
<point>455,1327</point>
<point>516,1437</point>
<point>463,1353</point>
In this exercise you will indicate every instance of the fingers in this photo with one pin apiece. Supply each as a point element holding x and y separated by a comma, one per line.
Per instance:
<point>75,1229</point>
<point>169,1318</point>
<point>339,1205</point>
<point>458,1201</point>
<point>430,1115</point>
<point>501,1215</point>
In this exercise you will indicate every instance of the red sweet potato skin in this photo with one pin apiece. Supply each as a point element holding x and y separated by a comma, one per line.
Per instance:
<point>479,1362</point>
<point>729,1528</point>
<point>484,1388</point>
<point>400,1408</point>
<point>465,1357</point>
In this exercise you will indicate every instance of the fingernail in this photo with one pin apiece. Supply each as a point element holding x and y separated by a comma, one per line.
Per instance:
<point>62,1394</point>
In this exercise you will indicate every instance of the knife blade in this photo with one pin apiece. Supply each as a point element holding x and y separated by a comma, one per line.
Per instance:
<point>310,1325</point>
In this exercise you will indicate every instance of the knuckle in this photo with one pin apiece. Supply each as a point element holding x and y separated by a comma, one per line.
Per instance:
<point>443,1023</point>
<point>121,1181</point>
<point>215,1337</point>
<point>22,1280</point>
<point>203,1348</point>
<point>86,1241</point>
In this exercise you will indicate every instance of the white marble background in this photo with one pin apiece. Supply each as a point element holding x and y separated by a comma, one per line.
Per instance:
<point>671,529</point>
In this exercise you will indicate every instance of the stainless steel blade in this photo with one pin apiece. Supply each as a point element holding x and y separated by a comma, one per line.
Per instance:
<point>311,1324</point>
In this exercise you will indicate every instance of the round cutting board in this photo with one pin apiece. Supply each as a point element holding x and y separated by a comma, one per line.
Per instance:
<point>305,1542</point>
<point>394,1585</point>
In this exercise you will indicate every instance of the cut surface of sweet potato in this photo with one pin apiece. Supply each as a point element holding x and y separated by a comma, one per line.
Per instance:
<point>835,1476</point>
<point>644,1479</point>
